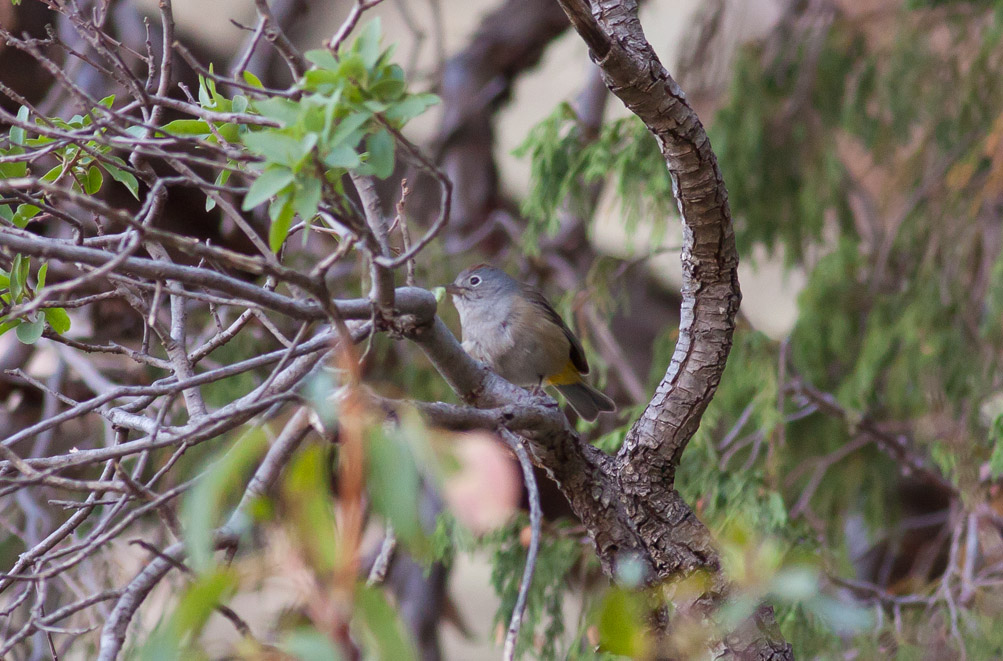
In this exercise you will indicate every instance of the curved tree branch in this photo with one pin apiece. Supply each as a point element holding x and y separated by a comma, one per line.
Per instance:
<point>628,504</point>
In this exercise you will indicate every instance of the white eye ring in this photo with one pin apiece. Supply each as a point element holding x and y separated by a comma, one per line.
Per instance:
<point>475,280</point>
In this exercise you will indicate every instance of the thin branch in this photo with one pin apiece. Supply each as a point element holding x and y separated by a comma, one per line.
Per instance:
<point>378,572</point>
<point>133,595</point>
<point>358,7</point>
<point>274,34</point>
<point>535,517</point>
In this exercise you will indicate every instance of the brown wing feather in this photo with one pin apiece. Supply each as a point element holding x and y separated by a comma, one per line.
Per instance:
<point>577,356</point>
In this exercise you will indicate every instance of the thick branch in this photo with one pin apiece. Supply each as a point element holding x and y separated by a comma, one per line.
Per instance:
<point>674,540</point>
<point>710,261</point>
<point>647,460</point>
<point>414,301</point>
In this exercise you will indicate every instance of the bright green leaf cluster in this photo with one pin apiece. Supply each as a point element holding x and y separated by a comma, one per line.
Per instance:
<point>16,289</point>
<point>210,98</point>
<point>342,121</point>
<point>82,163</point>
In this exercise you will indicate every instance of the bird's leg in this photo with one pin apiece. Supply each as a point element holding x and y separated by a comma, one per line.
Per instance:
<point>538,388</point>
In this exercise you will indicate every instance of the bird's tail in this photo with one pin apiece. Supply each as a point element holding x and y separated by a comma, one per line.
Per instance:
<point>586,400</point>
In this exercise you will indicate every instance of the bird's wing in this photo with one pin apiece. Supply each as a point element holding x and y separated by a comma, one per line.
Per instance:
<point>578,359</point>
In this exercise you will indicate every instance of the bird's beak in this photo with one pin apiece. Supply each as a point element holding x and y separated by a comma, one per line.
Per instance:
<point>454,290</point>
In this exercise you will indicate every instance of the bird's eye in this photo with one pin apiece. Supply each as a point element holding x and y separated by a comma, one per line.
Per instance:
<point>475,280</point>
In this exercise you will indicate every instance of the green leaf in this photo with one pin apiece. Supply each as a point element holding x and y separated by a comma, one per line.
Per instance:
<point>239,104</point>
<point>307,200</point>
<point>229,132</point>
<point>367,45</point>
<point>319,79</point>
<point>221,179</point>
<point>621,624</point>
<point>281,110</point>
<point>123,177</point>
<point>203,505</point>
<point>305,497</point>
<point>352,68</point>
<point>253,80</point>
<point>43,271</point>
<point>7,325</point>
<point>39,141</point>
<point>275,147</point>
<point>268,183</point>
<point>342,157</point>
<point>197,604</point>
<point>23,268</point>
<point>205,98</point>
<point>93,180</point>
<point>412,106</point>
<point>381,153</point>
<point>28,332</point>
<point>388,89</point>
<point>58,319</point>
<point>347,127</point>
<point>16,279</point>
<point>13,169</point>
<point>17,134</point>
<point>24,213</point>
<point>201,599</point>
<point>187,127</point>
<point>323,58</point>
<point>282,213</point>
<point>394,485</point>
<point>383,624</point>
<point>52,174</point>
<point>108,101</point>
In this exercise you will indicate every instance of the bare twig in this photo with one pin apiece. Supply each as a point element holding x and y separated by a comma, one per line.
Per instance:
<point>535,518</point>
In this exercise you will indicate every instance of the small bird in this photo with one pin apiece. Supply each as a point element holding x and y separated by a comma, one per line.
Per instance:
<point>512,328</point>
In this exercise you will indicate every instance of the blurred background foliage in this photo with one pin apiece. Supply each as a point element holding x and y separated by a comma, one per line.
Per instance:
<point>863,144</point>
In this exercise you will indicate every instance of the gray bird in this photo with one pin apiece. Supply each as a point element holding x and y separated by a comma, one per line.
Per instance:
<point>512,328</point>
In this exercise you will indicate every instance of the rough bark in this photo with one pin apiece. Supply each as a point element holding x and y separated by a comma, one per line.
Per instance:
<point>628,503</point>
<point>672,538</point>
<point>645,465</point>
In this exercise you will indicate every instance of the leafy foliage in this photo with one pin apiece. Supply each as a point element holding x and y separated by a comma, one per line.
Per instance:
<point>82,163</point>
<point>544,615</point>
<point>857,167</point>
<point>15,290</point>
<point>565,167</point>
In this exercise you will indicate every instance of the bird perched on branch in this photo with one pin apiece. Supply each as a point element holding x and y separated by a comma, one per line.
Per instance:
<point>511,327</point>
